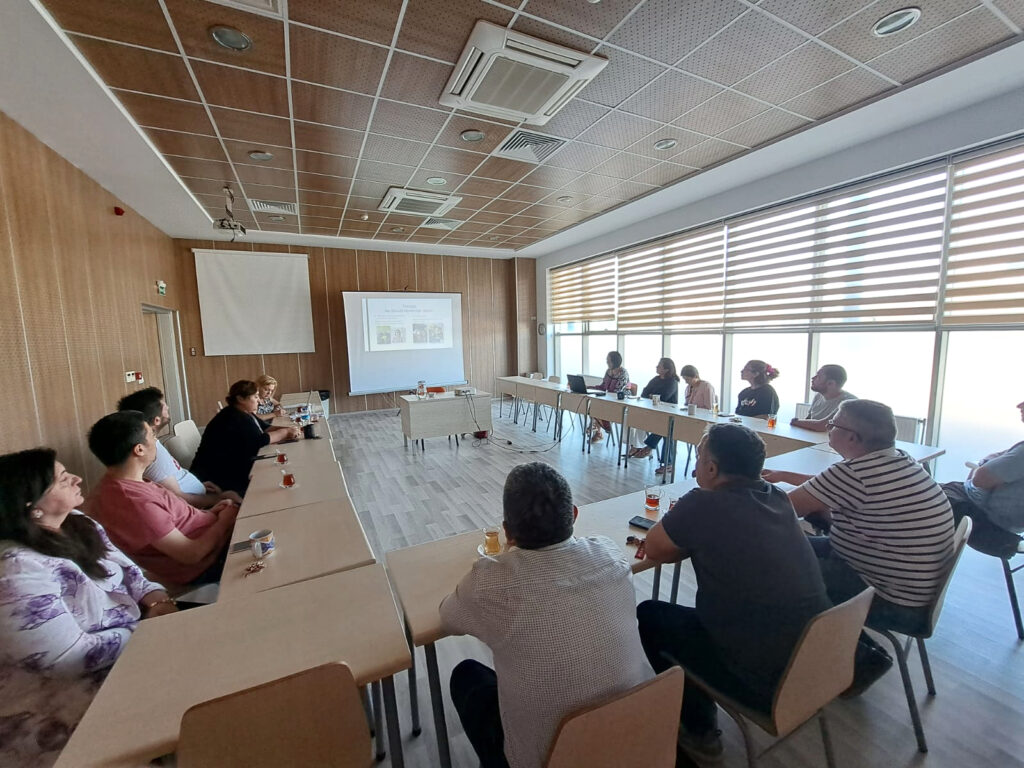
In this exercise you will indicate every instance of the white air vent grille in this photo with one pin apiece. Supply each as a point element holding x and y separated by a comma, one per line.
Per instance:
<point>503,73</point>
<point>433,223</point>
<point>529,146</point>
<point>417,203</point>
<point>270,206</point>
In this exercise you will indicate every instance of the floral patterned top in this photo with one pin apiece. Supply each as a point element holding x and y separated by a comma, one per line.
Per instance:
<point>60,632</point>
<point>266,406</point>
<point>614,380</point>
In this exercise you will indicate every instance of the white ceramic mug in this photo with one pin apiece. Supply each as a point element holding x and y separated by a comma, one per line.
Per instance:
<point>262,543</point>
<point>691,410</point>
<point>655,399</point>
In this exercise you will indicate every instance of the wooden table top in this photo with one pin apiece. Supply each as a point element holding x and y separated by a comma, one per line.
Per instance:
<point>312,541</point>
<point>320,481</point>
<point>174,662</point>
<point>302,450</point>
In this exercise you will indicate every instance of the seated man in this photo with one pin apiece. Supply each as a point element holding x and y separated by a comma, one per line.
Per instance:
<point>891,526</point>
<point>758,584</point>
<point>165,469</point>
<point>993,496</point>
<point>160,531</point>
<point>556,610</point>
<point>827,383</point>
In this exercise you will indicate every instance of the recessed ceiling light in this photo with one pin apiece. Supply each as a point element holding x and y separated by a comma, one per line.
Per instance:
<point>276,218</point>
<point>896,21</point>
<point>364,217</point>
<point>261,155</point>
<point>437,181</point>
<point>230,38</point>
<point>396,230</point>
<point>663,144</point>
<point>593,2</point>
<point>473,135</point>
<point>563,199</point>
<point>494,237</point>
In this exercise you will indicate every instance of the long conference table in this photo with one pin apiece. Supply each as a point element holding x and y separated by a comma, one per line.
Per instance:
<point>321,597</point>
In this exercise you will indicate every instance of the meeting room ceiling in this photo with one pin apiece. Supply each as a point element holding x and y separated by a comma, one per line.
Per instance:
<point>343,96</point>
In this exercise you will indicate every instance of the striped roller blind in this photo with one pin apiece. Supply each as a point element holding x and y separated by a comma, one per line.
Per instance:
<point>985,267</point>
<point>583,292</point>
<point>673,285</point>
<point>869,255</point>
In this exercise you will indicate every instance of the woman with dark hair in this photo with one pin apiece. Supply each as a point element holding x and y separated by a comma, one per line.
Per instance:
<point>759,399</point>
<point>69,601</point>
<point>616,378</point>
<point>666,386</point>
<point>233,438</point>
<point>698,392</point>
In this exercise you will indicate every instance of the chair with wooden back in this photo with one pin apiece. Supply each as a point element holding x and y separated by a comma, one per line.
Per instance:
<point>921,633</point>
<point>311,719</point>
<point>820,668</point>
<point>189,434</point>
<point>638,727</point>
<point>178,447</point>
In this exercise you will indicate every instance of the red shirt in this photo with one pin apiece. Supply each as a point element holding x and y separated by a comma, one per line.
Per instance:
<point>136,514</point>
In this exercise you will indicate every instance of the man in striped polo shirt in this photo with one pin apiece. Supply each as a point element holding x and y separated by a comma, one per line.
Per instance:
<point>891,526</point>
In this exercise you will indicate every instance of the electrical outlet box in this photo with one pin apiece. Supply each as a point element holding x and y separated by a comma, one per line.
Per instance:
<point>129,377</point>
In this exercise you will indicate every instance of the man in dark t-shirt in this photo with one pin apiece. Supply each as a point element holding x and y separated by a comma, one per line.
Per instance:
<point>758,584</point>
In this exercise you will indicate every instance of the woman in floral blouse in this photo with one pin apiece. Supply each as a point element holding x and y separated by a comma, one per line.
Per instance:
<point>69,600</point>
<point>616,378</point>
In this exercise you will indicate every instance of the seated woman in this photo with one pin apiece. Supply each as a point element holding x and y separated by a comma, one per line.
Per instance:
<point>268,407</point>
<point>616,378</point>
<point>698,392</point>
<point>666,386</point>
<point>69,601</point>
<point>233,438</point>
<point>759,399</point>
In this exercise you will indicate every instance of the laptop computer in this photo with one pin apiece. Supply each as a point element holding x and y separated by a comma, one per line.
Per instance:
<point>579,386</point>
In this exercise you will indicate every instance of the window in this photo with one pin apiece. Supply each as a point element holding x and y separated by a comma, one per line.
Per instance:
<point>982,388</point>
<point>894,367</point>
<point>598,347</point>
<point>640,355</point>
<point>570,355</point>
<point>703,351</point>
<point>785,351</point>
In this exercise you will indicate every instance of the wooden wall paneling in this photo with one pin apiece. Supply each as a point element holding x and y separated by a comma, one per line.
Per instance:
<point>315,369</point>
<point>342,275</point>
<point>401,272</point>
<point>373,276</point>
<point>456,280</point>
<point>428,272</point>
<point>503,283</point>
<point>22,427</point>
<point>526,315</point>
<point>25,161</point>
<point>481,319</point>
<point>207,376</point>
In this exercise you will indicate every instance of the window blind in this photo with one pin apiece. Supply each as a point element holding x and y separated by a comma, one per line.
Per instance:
<point>985,263</point>
<point>867,255</point>
<point>583,292</point>
<point>675,285</point>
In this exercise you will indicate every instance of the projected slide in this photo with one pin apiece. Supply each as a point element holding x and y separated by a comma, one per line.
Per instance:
<point>395,325</point>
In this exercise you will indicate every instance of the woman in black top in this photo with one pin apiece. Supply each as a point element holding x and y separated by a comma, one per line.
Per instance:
<point>233,438</point>
<point>666,385</point>
<point>759,399</point>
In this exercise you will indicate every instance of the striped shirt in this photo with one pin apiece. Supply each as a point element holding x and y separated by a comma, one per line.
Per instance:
<point>891,523</point>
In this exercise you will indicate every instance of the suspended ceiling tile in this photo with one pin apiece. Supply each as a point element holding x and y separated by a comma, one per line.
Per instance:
<point>391,118</point>
<point>419,180</point>
<point>549,176</point>
<point>326,59</point>
<point>334,185</point>
<point>322,138</point>
<point>845,91</point>
<point>720,113</point>
<point>494,133</point>
<point>265,192</point>
<point>667,30</point>
<point>137,69</point>
<point>815,17</point>
<point>671,95</point>
<point>239,151</point>
<point>193,21</point>
<point>275,177</point>
<point>708,153</point>
<point>328,199</point>
<point>388,173</point>
<point>588,184</point>
<point>242,89</point>
<point>762,129</point>
<point>415,80</point>
<point>526,193</point>
<point>1014,10</point>
<point>625,166</point>
<point>387,149</point>
<point>596,20</point>
<point>483,187</point>
<point>370,189</point>
<point>618,130</point>
<point>552,34</point>
<point>440,28</point>
<point>503,169</point>
<point>684,140</point>
<point>664,174</point>
<point>316,104</point>
<point>452,160</point>
<point>627,190</point>
<point>159,112</point>
<point>248,126</point>
<point>374,21</point>
<point>624,75</point>
<point>507,207</point>
<point>331,165</point>
<point>574,118</point>
<point>205,187</point>
<point>579,157</point>
<point>140,22</point>
<point>319,211</point>
<point>187,145</point>
<point>741,49</point>
<point>807,67</point>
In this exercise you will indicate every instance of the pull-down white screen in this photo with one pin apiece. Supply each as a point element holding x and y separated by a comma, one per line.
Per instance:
<point>254,303</point>
<point>397,339</point>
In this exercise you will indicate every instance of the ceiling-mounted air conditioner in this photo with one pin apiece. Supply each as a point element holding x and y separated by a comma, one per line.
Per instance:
<point>507,74</point>
<point>417,203</point>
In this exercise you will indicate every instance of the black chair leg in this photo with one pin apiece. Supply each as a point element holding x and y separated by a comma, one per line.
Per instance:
<point>1012,590</point>
<point>926,666</point>
<point>908,689</point>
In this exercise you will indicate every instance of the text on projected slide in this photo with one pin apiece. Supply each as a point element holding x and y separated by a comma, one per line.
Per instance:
<point>393,325</point>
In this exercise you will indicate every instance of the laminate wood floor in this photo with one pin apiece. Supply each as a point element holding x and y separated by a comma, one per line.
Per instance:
<point>406,496</point>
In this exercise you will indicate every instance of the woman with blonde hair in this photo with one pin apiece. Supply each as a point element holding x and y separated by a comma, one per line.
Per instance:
<point>268,407</point>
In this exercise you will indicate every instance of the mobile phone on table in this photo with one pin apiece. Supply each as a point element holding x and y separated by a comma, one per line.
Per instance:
<point>643,523</point>
<point>240,546</point>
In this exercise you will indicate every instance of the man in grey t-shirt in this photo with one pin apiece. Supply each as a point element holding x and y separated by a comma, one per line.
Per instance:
<point>827,384</point>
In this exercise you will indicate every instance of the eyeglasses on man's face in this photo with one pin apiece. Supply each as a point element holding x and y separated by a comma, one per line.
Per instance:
<point>832,425</point>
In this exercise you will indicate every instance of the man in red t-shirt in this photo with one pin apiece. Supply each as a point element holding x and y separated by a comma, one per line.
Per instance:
<point>159,530</point>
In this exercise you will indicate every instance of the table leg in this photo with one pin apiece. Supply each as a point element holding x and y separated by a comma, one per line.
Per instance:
<point>674,594</point>
<point>378,721</point>
<point>437,704</point>
<point>405,438</point>
<point>414,702</point>
<point>656,592</point>
<point>394,735</point>
<point>536,407</point>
